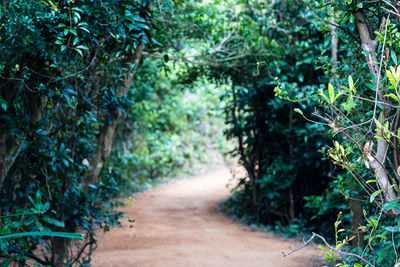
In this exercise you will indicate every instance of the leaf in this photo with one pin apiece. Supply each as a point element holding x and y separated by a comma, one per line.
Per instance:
<point>337,96</point>
<point>54,6</point>
<point>322,247</point>
<point>374,195</point>
<point>324,96</point>
<point>79,51</point>
<point>351,84</point>
<point>331,92</point>
<point>378,124</point>
<point>393,56</point>
<point>56,234</point>
<point>3,104</point>
<point>392,229</point>
<point>54,222</point>
<point>393,96</point>
<point>69,91</point>
<point>297,110</point>
<point>371,86</point>
<point>82,47</point>
<point>41,132</point>
<point>394,204</point>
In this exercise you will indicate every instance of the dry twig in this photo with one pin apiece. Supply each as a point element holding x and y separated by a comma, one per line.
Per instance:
<point>329,246</point>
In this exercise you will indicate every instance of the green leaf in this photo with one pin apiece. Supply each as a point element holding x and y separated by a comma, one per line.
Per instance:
<point>54,222</point>
<point>298,111</point>
<point>3,104</point>
<point>394,204</point>
<point>324,96</point>
<point>393,96</point>
<point>393,56</point>
<point>56,234</point>
<point>79,51</point>
<point>392,229</point>
<point>82,47</point>
<point>331,92</point>
<point>374,195</point>
<point>351,84</point>
<point>322,247</point>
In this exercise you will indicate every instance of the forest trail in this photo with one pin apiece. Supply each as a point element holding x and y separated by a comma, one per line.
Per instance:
<point>179,225</point>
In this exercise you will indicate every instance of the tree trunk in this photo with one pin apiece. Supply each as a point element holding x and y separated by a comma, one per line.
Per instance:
<point>291,206</point>
<point>357,220</point>
<point>256,208</point>
<point>291,196</point>
<point>107,132</point>
<point>370,45</point>
<point>59,251</point>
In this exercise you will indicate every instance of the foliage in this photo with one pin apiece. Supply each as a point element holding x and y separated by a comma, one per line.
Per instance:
<point>170,128</point>
<point>278,149</point>
<point>64,70</point>
<point>79,76</point>
<point>361,109</point>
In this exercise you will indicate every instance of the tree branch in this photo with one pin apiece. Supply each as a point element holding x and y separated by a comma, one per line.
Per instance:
<point>329,22</point>
<point>329,246</point>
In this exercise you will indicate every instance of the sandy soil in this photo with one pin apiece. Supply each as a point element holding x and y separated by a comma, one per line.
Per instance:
<point>179,225</point>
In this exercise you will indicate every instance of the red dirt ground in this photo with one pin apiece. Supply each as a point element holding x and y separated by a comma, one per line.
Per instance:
<point>179,225</point>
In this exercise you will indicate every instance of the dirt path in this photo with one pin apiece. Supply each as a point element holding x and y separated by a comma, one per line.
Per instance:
<point>179,225</point>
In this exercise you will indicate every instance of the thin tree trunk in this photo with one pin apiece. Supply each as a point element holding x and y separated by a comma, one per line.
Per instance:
<point>247,164</point>
<point>256,208</point>
<point>370,45</point>
<point>357,220</point>
<point>107,132</point>
<point>104,143</point>
<point>396,143</point>
<point>59,251</point>
<point>355,205</point>
<point>291,207</point>
<point>291,196</point>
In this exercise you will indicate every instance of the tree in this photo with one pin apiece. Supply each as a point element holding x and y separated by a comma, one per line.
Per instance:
<point>65,70</point>
<point>361,108</point>
<point>247,45</point>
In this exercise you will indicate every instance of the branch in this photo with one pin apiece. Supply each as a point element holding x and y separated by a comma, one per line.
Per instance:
<point>329,22</point>
<point>218,47</point>
<point>329,246</point>
<point>217,63</point>
<point>184,59</point>
<point>370,45</point>
<point>29,255</point>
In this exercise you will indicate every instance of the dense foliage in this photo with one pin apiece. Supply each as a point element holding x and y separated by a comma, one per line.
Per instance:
<point>278,149</point>
<point>65,70</point>
<point>250,45</point>
<point>170,128</point>
<point>96,99</point>
<point>361,109</point>
<point>67,73</point>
